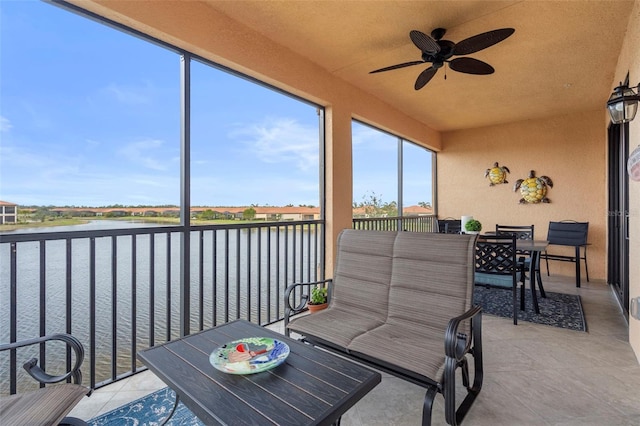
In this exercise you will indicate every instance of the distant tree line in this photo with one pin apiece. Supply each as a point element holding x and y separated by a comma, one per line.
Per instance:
<point>374,206</point>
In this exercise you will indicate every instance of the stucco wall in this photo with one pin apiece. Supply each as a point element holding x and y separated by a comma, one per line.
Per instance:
<point>569,149</point>
<point>629,61</point>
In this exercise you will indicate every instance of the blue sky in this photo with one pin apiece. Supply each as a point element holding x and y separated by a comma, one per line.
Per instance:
<point>90,116</point>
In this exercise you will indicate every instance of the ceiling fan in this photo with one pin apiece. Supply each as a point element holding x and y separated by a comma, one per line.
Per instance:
<point>438,52</point>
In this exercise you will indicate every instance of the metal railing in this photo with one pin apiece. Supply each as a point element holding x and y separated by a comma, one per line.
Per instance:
<point>120,290</point>
<point>404,223</point>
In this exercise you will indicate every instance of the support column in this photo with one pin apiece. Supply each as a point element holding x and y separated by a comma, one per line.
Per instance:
<point>339,180</point>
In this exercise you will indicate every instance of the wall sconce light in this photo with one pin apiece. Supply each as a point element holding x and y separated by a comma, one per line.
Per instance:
<point>623,104</point>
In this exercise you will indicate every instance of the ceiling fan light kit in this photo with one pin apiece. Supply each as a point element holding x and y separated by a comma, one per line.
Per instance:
<point>438,52</point>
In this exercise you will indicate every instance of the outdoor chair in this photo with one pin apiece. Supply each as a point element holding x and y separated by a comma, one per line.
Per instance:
<point>568,233</point>
<point>496,267</point>
<point>48,405</point>
<point>449,225</point>
<point>523,232</point>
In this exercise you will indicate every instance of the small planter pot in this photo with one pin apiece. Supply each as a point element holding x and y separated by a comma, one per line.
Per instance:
<point>315,308</point>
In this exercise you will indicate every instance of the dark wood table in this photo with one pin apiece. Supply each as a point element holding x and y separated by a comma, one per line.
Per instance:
<point>312,387</point>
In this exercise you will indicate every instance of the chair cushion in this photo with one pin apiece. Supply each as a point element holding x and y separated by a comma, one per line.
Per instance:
<point>335,325</point>
<point>45,406</point>
<point>505,281</point>
<point>421,352</point>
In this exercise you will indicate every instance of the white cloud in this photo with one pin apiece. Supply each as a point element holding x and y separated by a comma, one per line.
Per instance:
<point>129,94</point>
<point>5,124</point>
<point>373,139</point>
<point>92,143</point>
<point>141,153</point>
<point>282,140</point>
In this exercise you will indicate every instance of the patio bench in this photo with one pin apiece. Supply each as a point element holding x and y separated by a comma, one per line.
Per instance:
<point>401,303</point>
<point>47,405</point>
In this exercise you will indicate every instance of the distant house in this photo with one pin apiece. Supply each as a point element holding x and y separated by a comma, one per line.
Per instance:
<point>8,212</point>
<point>417,211</point>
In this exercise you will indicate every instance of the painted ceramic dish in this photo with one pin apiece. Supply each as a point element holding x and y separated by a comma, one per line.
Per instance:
<point>249,355</point>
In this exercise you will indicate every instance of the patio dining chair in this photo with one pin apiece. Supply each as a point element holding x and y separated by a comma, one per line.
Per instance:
<point>47,405</point>
<point>568,233</point>
<point>496,267</point>
<point>523,232</point>
<point>449,225</point>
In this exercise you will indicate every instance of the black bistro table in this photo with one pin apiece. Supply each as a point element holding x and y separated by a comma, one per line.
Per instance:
<point>311,387</point>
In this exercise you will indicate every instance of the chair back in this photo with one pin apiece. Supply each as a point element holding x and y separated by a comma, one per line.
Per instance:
<point>496,266</point>
<point>496,260</point>
<point>568,233</point>
<point>521,232</point>
<point>449,226</point>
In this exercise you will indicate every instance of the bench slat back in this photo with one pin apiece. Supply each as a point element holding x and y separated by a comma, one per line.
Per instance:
<point>568,233</point>
<point>432,279</point>
<point>363,272</point>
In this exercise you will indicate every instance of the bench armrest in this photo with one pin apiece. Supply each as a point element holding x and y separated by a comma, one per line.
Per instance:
<point>290,309</point>
<point>305,296</point>
<point>38,373</point>
<point>457,344</point>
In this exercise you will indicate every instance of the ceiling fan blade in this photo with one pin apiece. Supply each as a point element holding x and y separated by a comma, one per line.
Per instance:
<point>425,43</point>
<point>424,77</point>
<point>395,67</point>
<point>481,41</point>
<point>470,66</point>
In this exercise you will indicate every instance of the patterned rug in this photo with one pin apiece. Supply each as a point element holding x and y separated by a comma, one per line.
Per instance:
<point>150,410</point>
<point>557,309</point>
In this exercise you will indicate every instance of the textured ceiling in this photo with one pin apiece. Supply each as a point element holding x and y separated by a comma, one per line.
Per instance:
<point>561,58</point>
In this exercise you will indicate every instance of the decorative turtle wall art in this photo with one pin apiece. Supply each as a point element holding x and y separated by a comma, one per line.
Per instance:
<point>497,174</point>
<point>533,189</point>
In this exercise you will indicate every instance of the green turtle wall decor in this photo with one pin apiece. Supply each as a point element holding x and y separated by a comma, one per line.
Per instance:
<point>497,174</point>
<point>533,189</point>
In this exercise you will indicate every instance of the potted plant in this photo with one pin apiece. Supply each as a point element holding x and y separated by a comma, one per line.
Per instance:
<point>318,300</point>
<point>473,226</point>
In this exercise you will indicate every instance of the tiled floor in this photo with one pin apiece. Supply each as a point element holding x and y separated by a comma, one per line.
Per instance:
<point>534,375</point>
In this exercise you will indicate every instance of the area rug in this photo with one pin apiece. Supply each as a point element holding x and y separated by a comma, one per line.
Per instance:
<point>149,410</point>
<point>557,309</point>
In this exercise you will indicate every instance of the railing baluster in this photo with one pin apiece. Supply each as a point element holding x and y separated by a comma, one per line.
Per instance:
<point>293,255</point>
<point>269,274</point>
<point>226,275</point>
<point>168,308</point>
<point>114,307</point>
<point>237,285</point>
<point>134,303</point>
<point>214,278</point>
<point>43,304</point>
<point>201,281</point>
<point>152,290</point>
<point>278,269</point>
<point>13,316</point>
<point>68,295</point>
<point>92,311</point>
<point>248,272</point>
<point>259,273</point>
